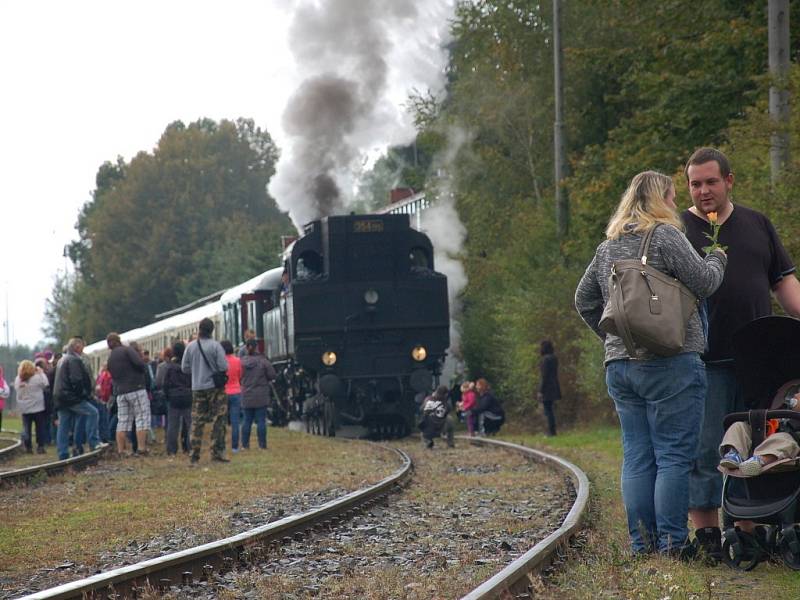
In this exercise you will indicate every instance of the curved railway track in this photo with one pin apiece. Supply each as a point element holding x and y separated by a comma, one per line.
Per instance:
<point>515,578</point>
<point>201,562</point>
<point>23,475</point>
<point>11,447</point>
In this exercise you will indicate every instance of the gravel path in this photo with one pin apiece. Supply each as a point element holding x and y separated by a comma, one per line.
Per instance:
<point>467,513</point>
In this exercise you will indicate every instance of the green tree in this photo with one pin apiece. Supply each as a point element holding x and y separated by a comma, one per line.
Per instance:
<point>645,83</point>
<point>56,312</point>
<point>190,218</point>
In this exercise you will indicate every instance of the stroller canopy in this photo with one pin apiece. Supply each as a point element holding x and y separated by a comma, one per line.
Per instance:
<point>767,355</point>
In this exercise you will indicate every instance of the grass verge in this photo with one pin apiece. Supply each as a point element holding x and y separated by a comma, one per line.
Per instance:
<point>77,516</point>
<point>599,565</point>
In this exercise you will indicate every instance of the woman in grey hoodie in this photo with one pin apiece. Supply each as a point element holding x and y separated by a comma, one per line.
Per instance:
<point>257,372</point>
<point>659,400</point>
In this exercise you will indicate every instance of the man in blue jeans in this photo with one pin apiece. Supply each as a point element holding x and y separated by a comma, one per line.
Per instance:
<point>757,265</point>
<point>72,393</point>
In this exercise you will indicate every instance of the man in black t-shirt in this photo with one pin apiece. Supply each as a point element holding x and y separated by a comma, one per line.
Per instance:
<point>757,265</point>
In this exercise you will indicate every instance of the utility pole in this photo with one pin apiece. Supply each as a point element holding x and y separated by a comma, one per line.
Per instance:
<point>559,141</point>
<point>8,324</point>
<point>778,89</point>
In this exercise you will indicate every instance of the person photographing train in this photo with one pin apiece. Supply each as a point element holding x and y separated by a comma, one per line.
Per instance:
<point>435,419</point>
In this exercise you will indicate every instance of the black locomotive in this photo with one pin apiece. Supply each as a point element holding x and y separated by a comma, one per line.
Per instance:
<point>359,325</point>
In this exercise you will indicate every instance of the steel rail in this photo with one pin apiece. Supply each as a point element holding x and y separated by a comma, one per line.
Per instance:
<point>14,447</point>
<point>184,565</point>
<point>514,578</point>
<point>86,459</point>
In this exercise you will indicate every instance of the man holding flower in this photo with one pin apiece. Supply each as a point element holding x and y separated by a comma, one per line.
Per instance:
<point>757,265</point>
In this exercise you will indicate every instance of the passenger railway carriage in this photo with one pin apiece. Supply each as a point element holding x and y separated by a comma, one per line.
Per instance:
<point>356,323</point>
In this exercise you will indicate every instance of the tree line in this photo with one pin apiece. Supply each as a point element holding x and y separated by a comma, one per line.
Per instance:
<point>645,84</point>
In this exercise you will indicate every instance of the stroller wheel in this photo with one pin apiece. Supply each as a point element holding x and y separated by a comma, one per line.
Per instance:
<point>741,550</point>
<point>789,546</point>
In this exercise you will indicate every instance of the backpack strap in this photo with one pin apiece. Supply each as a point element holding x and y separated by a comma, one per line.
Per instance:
<point>199,345</point>
<point>758,425</point>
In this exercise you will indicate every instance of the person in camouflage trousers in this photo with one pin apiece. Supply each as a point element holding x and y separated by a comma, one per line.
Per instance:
<point>209,407</point>
<point>202,359</point>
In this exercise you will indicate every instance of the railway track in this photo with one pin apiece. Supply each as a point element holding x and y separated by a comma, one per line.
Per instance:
<point>25,474</point>
<point>515,578</point>
<point>202,561</point>
<point>11,446</point>
<point>208,562</point>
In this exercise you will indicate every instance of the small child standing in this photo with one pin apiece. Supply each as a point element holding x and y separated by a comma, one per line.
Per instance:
<point>777,445</point>
<point>469,399</point>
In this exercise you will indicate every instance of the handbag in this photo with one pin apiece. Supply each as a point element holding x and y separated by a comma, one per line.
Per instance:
<point>220,378</point>
<point>645,307</point>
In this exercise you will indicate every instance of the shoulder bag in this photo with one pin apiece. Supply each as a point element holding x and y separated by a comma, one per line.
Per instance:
<point>220,377</point>
<point>645,307</point>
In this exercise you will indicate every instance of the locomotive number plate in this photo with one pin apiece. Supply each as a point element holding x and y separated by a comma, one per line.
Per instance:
<point>366,226</point>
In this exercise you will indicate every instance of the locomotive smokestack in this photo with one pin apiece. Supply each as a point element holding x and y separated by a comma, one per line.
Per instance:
<point>342,110</point>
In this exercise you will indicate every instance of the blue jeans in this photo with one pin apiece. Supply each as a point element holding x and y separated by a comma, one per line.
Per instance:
<point>234,412</point>
<point>723,396</point>
<point>660,407</point>
<point>102,422</point>
<point>79,433</point>
<point>259,415</point>
<point>66,423</point>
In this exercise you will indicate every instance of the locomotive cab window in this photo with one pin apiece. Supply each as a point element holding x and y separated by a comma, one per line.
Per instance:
<point>419,258</point>
<point>309,266</point>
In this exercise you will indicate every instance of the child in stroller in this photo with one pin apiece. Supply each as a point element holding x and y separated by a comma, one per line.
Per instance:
<point>761,495</point>
<point>779,445</point>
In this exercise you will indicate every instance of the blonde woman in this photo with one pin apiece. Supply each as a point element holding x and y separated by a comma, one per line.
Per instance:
<point>30,383</point>
<point>659,400</point>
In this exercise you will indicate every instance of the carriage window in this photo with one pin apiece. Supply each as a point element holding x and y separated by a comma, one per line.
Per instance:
<point>419,258</point>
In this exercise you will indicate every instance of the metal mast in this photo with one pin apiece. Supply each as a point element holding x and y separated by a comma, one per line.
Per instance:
<point>559,141</point>
<point>778,90</point>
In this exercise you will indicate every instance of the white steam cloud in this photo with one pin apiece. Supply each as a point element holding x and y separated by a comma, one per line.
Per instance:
<point>359,59</point>
<point>448,234</point>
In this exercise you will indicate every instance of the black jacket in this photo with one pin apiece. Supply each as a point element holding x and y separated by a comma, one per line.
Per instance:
<point>488,403</point>
<point>127,369</point>
<point>549,386</point>
<point>73,383</point>
<point>177,386</point>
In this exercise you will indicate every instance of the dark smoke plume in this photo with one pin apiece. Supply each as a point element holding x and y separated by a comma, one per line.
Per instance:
<point>341,110</point>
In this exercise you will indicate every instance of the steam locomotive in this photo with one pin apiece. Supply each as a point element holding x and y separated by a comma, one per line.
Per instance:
<point>356,322</point>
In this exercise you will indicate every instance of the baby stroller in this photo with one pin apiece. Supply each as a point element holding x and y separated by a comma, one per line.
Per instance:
<point>767,354</point>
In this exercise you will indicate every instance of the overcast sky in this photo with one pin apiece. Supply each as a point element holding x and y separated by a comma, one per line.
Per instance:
<point>86,81</point>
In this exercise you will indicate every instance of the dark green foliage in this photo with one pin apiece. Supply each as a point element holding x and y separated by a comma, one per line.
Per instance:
<point>11,356</point>
<point>645,84</point>
<point>190,218</point>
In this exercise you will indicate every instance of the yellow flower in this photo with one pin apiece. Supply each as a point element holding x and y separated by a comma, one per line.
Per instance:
<point>712,216</point>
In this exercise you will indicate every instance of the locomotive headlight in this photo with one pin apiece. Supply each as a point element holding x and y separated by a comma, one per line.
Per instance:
<point>371,297</point>
<point>329,358</point>
<point>419,353</point>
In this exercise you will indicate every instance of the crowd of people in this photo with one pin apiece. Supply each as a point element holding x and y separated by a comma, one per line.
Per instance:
<point>190,384</point>
<point>671,408</point>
